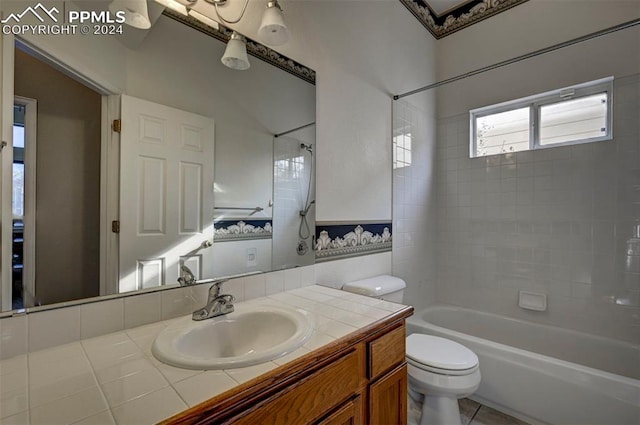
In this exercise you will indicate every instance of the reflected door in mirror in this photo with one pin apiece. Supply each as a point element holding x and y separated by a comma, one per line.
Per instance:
<point>166,194</point>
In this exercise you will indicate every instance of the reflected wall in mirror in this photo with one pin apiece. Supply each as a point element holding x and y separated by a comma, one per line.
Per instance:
<point>247,188</point>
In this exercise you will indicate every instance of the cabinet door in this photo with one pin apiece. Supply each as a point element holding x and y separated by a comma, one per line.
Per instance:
<point>349,414</point>
<point>311,398</point>
<point>387,352</point>
<point>388,398</point>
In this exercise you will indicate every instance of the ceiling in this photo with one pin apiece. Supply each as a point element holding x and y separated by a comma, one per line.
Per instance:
<point>444,17</point>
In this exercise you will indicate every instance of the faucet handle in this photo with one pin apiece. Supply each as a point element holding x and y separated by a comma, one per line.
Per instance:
<point>228,298</point>
<point>214,290</point>
<point>186,276</point>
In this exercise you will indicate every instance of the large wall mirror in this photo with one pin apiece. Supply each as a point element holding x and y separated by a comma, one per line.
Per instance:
<point>211,173</point>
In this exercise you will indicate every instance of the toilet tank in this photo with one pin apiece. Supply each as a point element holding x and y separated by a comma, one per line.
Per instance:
<point>388,288</point>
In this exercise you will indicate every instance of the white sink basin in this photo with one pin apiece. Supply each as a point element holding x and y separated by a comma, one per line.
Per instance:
<point>248,336</point>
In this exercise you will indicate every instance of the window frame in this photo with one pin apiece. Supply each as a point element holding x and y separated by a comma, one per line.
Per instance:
<point>535,102</point>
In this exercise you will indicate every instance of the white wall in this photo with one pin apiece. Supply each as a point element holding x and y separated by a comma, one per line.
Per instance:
<point>561,221</point>
<point>231,257</point>
<point>530,26</point>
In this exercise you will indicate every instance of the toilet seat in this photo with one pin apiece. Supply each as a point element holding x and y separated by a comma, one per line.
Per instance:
<point>438,371</point>
<point>440,355</point>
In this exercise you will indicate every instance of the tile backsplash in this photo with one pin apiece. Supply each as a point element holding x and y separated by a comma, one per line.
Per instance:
<point>24,333</point>
<point>63,325</point>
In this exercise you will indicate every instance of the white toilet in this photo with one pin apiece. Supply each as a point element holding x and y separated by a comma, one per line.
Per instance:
<point>440,370</point>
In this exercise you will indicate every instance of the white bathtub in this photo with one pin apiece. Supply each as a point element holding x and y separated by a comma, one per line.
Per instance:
<point>543,374</point>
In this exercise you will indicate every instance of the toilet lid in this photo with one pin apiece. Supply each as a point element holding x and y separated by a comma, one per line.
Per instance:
<point>440,353</point>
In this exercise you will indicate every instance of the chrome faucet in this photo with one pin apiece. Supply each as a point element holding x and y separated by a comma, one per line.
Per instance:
<point>186,276</point>
<point>217,304</point>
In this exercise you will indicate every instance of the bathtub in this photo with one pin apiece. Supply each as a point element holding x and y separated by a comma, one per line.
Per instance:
<point>543,374</point>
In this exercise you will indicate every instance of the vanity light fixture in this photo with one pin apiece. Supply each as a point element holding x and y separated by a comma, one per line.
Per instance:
<point>272,30</point>
<point>218,3</point>
<point>136,12</point>
<point>235,55</point>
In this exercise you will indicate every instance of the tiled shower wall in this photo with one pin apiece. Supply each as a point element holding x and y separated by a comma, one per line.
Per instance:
<point>292,169</point>
<point>562,221</point>
<point>414,201</point>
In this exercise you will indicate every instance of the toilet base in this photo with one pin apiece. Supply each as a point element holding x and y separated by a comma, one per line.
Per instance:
<point>440,410</point>
<point>414,411</point>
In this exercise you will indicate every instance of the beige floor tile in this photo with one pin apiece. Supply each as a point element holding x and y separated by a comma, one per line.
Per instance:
<point>488,416</point>
<point>468,408</point>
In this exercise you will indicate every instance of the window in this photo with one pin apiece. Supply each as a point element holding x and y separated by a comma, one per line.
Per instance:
<point>18,160</point>
<point>577,114</point>
<point>402,150</point>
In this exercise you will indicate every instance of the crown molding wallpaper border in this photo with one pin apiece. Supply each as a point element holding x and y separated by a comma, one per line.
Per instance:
<point>241,230</point>
<point>459,18</point>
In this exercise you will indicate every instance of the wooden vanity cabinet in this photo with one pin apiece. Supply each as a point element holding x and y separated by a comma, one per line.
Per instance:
<point>388,374</point>
<point>350,413</point>
<point>356,380</point>
<point>388,398</point>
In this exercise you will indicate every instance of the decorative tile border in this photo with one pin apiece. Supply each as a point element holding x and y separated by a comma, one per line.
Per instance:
<point>459,18</point>
<point>339,240</point>
<point>254,48</point>
<point>234,230</point>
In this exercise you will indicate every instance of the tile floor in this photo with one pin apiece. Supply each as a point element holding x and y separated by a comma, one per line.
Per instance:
<point>474,413</point>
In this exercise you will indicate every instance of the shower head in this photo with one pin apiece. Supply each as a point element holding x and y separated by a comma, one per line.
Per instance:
<point>306,210</point>
<point>308,148</point>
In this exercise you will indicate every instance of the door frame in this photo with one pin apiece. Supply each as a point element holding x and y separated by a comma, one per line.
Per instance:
<point>109,160</point>
<point>6,170</point>
<point>29,218</point>
<point>109,196</point>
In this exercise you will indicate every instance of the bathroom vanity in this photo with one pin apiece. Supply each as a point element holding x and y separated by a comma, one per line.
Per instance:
<point>350,370</point>
<point>358,379</point>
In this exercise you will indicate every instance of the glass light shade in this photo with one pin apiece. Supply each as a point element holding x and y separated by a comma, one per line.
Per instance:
<point>235,55</point>
<point>272,30</point>
<point>136,13</point>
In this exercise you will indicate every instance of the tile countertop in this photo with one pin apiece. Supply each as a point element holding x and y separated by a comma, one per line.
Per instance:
<point>114,379</point>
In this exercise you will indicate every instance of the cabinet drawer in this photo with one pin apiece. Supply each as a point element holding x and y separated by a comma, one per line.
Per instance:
<point>313,396</point>
<point>386,352</point>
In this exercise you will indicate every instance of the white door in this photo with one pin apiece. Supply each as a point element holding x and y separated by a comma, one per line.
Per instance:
<point>166,193</point>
